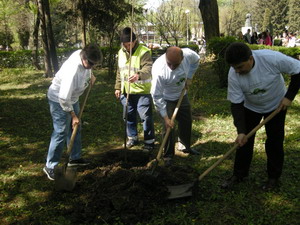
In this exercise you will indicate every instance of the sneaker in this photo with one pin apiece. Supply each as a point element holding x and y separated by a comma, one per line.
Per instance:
<point>270,185</point>
<point>231,182</point>
<point>78,162</point>
<point>49,172</point>
<point>148,147</point>
<point>131,142</point>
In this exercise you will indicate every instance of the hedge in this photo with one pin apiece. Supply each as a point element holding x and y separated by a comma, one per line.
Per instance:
<point>24,58</point>
<point>218,45</point>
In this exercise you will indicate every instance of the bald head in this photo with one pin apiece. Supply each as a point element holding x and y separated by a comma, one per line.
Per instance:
<point>174,56</point>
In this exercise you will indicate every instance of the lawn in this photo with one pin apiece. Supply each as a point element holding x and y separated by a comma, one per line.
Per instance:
<point>28,197</point>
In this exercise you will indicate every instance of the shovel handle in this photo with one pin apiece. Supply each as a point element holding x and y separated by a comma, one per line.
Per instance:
<point>169,129</point>
<point>236,145</point>
<point>74,132</point>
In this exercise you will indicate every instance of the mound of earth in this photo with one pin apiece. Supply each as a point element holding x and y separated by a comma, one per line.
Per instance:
<point>119,185</point>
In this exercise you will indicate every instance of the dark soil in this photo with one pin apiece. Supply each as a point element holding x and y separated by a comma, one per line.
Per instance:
<point>113,188</point>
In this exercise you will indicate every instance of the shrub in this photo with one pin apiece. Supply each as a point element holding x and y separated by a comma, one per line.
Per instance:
<point>217,46</point>
<point>24,58</point>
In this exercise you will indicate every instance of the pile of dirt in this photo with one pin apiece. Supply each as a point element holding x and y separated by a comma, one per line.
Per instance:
<point>128,190</point>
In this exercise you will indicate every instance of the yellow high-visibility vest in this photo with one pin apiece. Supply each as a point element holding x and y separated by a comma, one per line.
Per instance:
<point>140,86</point>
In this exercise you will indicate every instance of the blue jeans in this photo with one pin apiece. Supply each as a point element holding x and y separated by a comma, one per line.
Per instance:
<point>141,104</point>
<point>62,131</point>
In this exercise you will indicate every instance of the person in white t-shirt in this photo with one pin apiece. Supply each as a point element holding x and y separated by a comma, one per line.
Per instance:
<point>67,86</point>
<point>255,89</point>
<point>171,72</point>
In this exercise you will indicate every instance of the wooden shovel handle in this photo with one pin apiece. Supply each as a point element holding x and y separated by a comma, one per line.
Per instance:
<point>236,145</point>
<point>74,132</point>
<point>172,121</point>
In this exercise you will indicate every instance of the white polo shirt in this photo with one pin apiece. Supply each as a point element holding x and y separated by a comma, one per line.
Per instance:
<point>69,82</point>
<point>263,88</point>
<point>167,84</point>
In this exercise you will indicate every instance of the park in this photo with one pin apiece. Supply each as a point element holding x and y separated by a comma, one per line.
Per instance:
<point>119,186</point>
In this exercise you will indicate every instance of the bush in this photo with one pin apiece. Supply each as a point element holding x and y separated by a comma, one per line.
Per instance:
<point>217,46</point>
<point>24,58</point>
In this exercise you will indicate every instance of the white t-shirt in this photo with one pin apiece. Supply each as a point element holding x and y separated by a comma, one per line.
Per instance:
<point>69,82</point>
<point>263,87</point>
<point>167,84</point>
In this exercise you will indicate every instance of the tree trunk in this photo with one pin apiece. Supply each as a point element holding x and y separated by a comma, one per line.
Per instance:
<point>50,36</point>
<point>210,17</point>
<point>83,20</point>
<point>111,56</point>
<point>36,61</point>
<point>47,60</point>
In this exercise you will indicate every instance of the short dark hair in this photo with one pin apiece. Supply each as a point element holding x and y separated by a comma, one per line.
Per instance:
<point>237,52</point>
<point>92,53</point>
<point>127,35</point>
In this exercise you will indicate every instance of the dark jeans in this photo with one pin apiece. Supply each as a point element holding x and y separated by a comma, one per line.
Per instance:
<point>139,104</point>
<point>184,119</point>
<point>273,145</point>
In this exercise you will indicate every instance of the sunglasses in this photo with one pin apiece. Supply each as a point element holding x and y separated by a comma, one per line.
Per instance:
<point>90,63</point>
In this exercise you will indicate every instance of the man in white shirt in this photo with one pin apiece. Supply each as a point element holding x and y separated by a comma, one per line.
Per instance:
<point>67,86</point>
<point>172,72</point>
<point>255,89</point>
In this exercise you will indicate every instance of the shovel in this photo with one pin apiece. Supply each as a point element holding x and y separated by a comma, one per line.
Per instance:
<point>186,190</point>
<point>160,151</point>
<point>65,177</point>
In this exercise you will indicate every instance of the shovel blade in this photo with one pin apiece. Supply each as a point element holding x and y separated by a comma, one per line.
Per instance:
<point>65,178</point>
<point>181,191</point>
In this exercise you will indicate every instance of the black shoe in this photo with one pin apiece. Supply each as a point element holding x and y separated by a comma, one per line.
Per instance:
<point>49,172</point>
<point>231,182</point>
<point>190,151</point>
<point>78,162</point>
<point>271,184</point>
<point>130,143</point>
<point>168,161</point>
<point>148,147</point>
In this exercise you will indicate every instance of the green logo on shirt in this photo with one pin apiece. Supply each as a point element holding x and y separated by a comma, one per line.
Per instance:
<point>257,91</point>
<point>180,81</point>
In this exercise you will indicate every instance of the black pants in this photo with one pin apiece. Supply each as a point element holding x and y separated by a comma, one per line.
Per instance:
<point>273,145</point>
<point>184,119</point>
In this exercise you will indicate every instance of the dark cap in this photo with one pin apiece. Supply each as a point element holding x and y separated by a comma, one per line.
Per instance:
<point>92,53</point>
<point>125,36</point>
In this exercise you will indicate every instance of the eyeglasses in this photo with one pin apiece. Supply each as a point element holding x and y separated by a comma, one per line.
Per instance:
<point>90,63</point>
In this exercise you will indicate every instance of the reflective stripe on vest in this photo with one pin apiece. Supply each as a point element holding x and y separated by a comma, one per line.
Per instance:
<point>140,86</point>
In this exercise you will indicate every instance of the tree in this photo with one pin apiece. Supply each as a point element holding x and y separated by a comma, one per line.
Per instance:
<point>8,10</point>
<point>279,17</point>
<point>50,35</point>
<point>168,21</point>
<point>47,38</point>
<point>210,17</point>
<point>47,60</point>
<point>266,25</point>
<point>105,17</point>
<point>293,16</point>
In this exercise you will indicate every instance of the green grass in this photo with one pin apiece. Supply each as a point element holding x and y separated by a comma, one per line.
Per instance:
<point>27,197</point>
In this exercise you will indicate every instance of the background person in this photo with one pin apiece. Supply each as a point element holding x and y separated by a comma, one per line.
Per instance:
<point>255,89</point>
<point>140,100</point>
<point>68,84</point>
<point>171,72</point>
